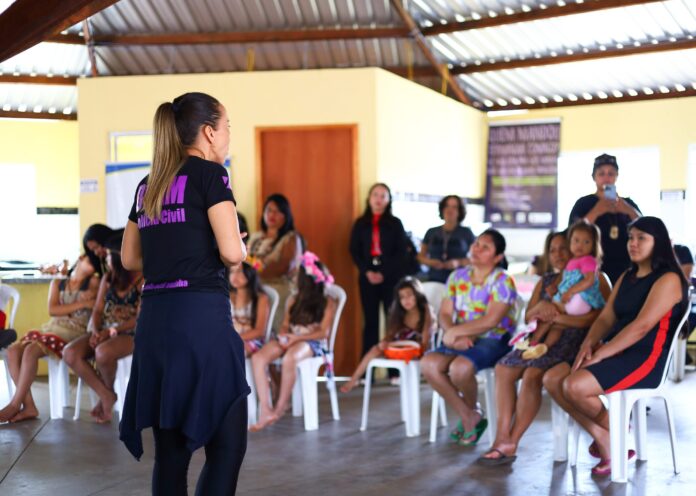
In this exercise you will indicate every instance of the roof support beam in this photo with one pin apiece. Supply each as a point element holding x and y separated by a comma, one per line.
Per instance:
<point>432,58</point>
<point>238,37</point>
<point>28,22</point>
<point>13,114</point>
<point>39,79</point>
<point>533,15</point>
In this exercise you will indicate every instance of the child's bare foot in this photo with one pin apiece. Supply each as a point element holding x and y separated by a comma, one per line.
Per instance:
<point>107,407</point>
<point>348,386</point>
<point>264,421</point>
<point>97,410</point>
<point>25,414</point>
<point>8,412</point>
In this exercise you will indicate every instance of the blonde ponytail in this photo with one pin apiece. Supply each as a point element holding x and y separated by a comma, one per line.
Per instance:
<point>168,156</point>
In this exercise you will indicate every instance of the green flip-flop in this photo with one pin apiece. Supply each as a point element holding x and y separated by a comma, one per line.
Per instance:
<point>476,431</point>
<point>457,433</point>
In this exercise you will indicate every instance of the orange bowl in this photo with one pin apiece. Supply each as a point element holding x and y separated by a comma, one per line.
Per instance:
<point>403,350</point>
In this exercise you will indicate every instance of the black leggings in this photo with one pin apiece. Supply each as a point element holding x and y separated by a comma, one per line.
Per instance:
<point>223,457</point>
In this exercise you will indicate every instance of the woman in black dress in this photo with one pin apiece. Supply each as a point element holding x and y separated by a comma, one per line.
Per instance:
<point>378,247</point>
<point>610,213</point>
<point>636,326</point>
<point>187,379</point>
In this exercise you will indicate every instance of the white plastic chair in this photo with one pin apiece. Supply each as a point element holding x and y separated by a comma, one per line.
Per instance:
<point>304,394</point>
<point>7,294</point>
<point>252,401</point>
<point>485,379</point>
<point>58,386</point>
<point>409,373</point>
<point>678,367</point>
<point>123,369</point>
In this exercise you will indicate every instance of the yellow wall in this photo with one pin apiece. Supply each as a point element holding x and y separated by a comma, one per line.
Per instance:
<point>426,142</point>
<point>52,147</point>
<point>668,124</point>
<point>344,96</point>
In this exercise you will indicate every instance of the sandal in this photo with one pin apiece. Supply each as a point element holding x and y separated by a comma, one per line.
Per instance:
<point>477,431</point>
<point>503,459</point>
<point>457,433</point>
<point>593,450</point>
<point>603,468</point>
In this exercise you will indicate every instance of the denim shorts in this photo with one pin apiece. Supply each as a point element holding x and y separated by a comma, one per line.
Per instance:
<point>484,354</point>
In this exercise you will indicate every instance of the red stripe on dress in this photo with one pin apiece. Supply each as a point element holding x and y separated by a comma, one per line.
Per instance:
<point>648,365</point>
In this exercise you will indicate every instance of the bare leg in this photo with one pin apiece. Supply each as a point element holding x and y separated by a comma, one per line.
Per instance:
<point>362,367</point>
<point>27,373</point>
<point>463,376</point>
<point>294,355</point>
<point>76,355</point>
<point>259,364</point>
<point>506,399</point>
<point>107,355</point>
<point>14,361</point>
<point>582,391</point>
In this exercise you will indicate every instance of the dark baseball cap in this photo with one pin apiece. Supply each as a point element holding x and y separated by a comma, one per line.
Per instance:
<point>605,159</point>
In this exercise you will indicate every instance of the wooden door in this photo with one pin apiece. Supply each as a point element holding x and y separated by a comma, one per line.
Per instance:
<point>315,168</point>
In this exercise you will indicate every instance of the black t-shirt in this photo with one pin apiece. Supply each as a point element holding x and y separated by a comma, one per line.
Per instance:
<point>457,244</point>
<point>615,259</point>
<point>179,249</point>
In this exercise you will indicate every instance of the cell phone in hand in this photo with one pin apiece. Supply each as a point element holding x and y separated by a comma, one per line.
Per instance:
<point>610,191</point>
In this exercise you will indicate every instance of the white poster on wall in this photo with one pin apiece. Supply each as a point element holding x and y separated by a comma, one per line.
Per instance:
<point>121,181</point>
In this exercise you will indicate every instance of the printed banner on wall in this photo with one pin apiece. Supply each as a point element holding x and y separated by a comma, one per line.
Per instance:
<point>522,174</point>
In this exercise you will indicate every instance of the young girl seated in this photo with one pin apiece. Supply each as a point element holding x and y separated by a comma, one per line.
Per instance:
<point>410,318</point>
<point>303,334</point>
<point>69,305</point>
<point>250,307</point>
<point>111,327</point>
<point>578,292</point>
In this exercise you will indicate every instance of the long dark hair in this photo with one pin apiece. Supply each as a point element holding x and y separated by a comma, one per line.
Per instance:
<point>662,257</point>
<point>387,214</point>
<point>310,302</point>
<point>254,287</point>
<point>284,206</point>
<point>176,126</point>
<point>397,313</point>
<point>99,233</point>
<point>499,243</point>
<point>118,277</point>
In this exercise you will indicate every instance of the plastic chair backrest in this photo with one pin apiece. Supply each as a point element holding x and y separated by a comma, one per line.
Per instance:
<point>273,300</point>
<point>434,293</point>
<point>675,338</point>
<point>10,293</point>
<point>338,293</point>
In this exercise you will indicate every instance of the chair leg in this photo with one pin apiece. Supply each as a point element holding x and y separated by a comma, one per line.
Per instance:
<point>640,426</point>
<point>491,412</point>
<point>310,399</point>
<point>672,434</point>
<point>8,378</point>
<point>78,398</point>
<point>413,373</point>
<point>251,399</point>
<point>575,433</point>
<point>443,412</point>
<point>333,396</point>
<point>366,397</point>
<point>55,388</point>
<point>297,399</point>
<point>435,404</point>
<point>559,427</point>
<point>404,391</point>
<point>618,431</point>
<point>65,377</point>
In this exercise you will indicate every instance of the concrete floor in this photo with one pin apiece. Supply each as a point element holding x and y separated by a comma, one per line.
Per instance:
<point>64,457</point>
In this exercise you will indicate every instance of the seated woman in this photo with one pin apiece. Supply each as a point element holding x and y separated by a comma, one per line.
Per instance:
<point>478,318</point>
<point>303,334</point>
<point>517,410</point>
<point>628,345</point>
<point>410,319</point>
<point>69,305</point>
<point>250,307</point>
<point>112,328</point>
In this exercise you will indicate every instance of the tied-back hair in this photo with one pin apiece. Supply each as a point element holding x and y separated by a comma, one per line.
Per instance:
<point>595,235</point>
<point>283,204</point>
<point>546,265</point>
<point>662,257</point>
<point>118,277</point>
<point>176,126</point>
<point>499,243</point>
<point>397,313</point>
<point>387,214</point>
<point>310,301</point>
<point>254,287</point>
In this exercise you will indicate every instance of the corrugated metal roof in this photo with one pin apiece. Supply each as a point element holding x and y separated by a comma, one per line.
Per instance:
<point>638,25</point>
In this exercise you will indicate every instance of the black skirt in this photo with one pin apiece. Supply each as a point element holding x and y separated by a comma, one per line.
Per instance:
<point>188,368</point>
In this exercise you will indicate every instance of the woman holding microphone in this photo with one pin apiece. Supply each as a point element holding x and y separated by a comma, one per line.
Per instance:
<point>187,379</point>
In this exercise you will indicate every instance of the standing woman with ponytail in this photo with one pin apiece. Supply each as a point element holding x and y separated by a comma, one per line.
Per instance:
<point>187,379</point>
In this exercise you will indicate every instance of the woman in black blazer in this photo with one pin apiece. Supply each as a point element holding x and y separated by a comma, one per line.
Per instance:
<point>378,247</point>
